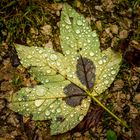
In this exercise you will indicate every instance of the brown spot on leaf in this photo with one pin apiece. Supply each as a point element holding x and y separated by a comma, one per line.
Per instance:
<point>74,95</point>
<point>86,71</point>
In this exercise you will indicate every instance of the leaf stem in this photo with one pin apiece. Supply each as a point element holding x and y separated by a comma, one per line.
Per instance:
<point>98,102</point>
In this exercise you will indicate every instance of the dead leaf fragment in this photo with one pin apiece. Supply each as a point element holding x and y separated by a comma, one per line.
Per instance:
<point>137,98</point>
<point>123,34</point>
<point>114,29</point>
<point>136,127</point>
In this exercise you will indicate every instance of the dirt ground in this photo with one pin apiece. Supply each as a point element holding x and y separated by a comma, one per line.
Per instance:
<point>118,26</point>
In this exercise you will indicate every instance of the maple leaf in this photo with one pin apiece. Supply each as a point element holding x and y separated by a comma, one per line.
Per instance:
<point>67,80</point>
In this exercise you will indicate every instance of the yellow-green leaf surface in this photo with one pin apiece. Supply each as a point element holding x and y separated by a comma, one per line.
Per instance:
<point>66,79</point>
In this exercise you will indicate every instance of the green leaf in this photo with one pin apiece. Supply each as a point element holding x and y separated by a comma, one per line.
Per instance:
<point>111,135</point>
<point>68,79</point>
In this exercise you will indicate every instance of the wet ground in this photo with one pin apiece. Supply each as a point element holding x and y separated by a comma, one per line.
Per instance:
<point>117,23</point>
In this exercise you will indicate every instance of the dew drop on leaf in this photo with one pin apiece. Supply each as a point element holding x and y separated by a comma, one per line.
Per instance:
<point>88,41</point>
<point>38,102</point>
<point>106,81</point>
<point>81,118</point>
<point>46,80</point>
<point>48,71</point>
<point>94,34</point>
<point>113,72</point>
<point>47,113</point>
<point>72,115</point>
<point>79,22</point>
<point>91,54</point>
<point>53,57</point>
<point>67,38</point>
<point>41,92</point>
<point>67,52</point>
<point>53,110</point>
<point>67,20</point>
<point>58,110</point>
<point>100,62</point>
<point>104,75</point>
<point>29,56</point>
<point>67,27</point>
<point>77,31</point>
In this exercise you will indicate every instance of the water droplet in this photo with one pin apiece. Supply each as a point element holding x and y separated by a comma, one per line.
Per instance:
<point>104,60</point>
<point>19,99</point>
<point>85,105</point>
<point>94,34</point>
<point>70,75</point>
<point>39,109</point>
<point>47,113</point>
<point>113,72</point>
<point>46,80</point>
<point>58,110</point>
<point>63,25</point>
<point>106,82</point>
<point>53,57</point>
<point>88,41</point>
<point>91,54</point>
<point>104,75</point>
<point>81,118</point>
<point>38,102</point>
<point>67,20</point>
<point>85,44</point>
<point>67,38</point>
<point>48,71</point>
<point>67,27</point>
<point>40,51</point>
<point>67,52</point>
<point>29,56</point>
<point>79,22</point>
<point>77,31</point>
<point>45,55</point>
<point>41,92</point>
<point>51,106</point>
<point>71,115</point>
<point>112,78</point>
<point>100,62</point>
<point>52,110</point>
<point>88,35</point>
<point>58,64</point>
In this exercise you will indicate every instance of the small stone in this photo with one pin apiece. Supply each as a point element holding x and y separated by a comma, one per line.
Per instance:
<point>2,104</point>
<point>137,98</point>
<point>114,29</point>
<point>77,134</point>
<point>118,84</point>
<point>46,29</point>
<point>99,25</point>
<point>12,119</point>
<point>123,34</point>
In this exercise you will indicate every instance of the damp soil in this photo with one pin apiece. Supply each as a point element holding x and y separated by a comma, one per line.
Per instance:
<point>118,26</point>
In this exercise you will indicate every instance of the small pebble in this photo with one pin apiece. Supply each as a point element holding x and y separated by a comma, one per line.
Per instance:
<point>77,134</point>
<point>123,34</point>
<point>137,98</point>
